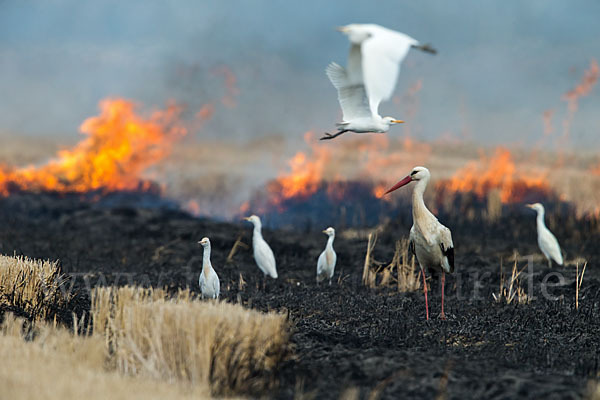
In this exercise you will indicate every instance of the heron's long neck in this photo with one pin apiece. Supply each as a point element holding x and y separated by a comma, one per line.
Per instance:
<point>540,220</point>
<point>206,266</point>
<point>257,230</point>
<point>420,211</point>
<point>329,245</point>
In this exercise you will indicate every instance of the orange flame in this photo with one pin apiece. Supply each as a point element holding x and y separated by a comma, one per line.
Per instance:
<point>305,176</point>
<point>332,167</point>
<point>120,145</point>
<point>496,173</point>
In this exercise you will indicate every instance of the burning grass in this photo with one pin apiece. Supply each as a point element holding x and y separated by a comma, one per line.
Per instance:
<point>119,146</point>
<point>32,288</point>
<point>222,346</point>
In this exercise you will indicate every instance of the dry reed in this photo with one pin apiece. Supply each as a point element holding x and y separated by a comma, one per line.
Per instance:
<point>221,345</point>
<point>511,289</point>
<point>60,365</point>
<point>401,270</point>
<point>32,288</point>
<point>578,282</point>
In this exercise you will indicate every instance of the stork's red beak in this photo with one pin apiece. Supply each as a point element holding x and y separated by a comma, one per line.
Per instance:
<point>399,184</point>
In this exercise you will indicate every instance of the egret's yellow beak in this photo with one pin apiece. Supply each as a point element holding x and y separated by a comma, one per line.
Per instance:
<point>246,219</point>
<point>397,121</point>
<point>341,29</point>
<point>529,205</point>
<point>325,231</point>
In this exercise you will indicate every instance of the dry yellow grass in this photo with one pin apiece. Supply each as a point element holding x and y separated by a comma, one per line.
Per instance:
<point>511,289</point>
<point>31,288</point>
<point>59,365</point>
<point>140,337</point>
<point>215,344</point>
<point>403,264</point>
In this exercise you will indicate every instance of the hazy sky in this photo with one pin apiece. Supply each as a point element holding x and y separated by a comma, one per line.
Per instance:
<point>500,63</point>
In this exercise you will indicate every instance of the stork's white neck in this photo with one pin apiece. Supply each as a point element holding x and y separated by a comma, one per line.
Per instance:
<point>419,210</point>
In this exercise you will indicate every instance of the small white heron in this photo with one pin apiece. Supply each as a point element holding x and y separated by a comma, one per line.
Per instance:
<point>327,259</point>
<point>263,255</point>
<point>208,281</point>
<point>430,241</point>
<point>369,77</point>
<point>546,240</point>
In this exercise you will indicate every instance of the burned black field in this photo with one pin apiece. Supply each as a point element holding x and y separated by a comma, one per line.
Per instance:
<point>346,336</point>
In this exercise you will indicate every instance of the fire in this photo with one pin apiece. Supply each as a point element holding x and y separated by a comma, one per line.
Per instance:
<point>304,177</point>
<point>497,173</point>
<point>120,145</point>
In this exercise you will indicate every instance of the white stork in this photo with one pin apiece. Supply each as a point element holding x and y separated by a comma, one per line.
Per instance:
<point>430,241</point>
<point>546,240</point>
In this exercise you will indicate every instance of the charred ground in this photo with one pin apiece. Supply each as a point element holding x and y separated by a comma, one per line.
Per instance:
<point>348,336</point>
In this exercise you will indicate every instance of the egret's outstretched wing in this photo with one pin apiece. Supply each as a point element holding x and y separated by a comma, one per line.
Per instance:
<point>352,96</point>
<point>354,67</point>
<point>382,54</point>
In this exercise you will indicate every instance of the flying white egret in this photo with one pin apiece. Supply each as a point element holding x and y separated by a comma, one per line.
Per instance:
<point>546,240</point>
<point>209,281</point>
<point>327,259</point>
<point>430,241</point>
<point>370,76</point>
<point>262,252</point>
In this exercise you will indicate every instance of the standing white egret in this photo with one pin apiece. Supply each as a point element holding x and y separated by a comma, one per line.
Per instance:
<point>546,240</point>
<point>370,76</point>
<point>430,241</point>
<point>327,259</point>
<point>208,281</point>
<point>262,252</point>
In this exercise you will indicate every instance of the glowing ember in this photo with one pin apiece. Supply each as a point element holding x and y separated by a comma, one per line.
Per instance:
<point>120,145</point>
<point>496,173</point>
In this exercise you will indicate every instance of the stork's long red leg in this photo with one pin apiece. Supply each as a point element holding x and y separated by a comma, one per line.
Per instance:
<point>425,291</point>
<point>442,315</point>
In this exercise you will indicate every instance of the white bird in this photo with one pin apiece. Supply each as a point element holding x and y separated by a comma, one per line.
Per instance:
<point>370,76</point>
<point>430,241</point>
<point>327,259</point>
<point>263,255</point>
<point>208,281</point>
<point>546,240</point>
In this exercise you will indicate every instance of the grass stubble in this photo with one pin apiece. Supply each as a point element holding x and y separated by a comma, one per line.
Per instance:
<point>141,343</point>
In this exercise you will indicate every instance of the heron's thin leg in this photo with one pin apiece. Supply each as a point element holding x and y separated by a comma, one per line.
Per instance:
<point>329,136</point>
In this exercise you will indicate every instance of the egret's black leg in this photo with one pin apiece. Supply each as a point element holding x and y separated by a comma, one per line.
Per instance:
<point>329,136</point>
